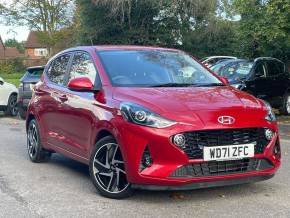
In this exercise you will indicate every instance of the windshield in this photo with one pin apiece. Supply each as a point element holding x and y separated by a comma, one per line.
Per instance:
<point>236,71</point>
<point>155,68</point>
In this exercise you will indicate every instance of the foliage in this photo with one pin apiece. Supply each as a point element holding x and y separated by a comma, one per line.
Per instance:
<point>11,66</point>
<point>264,27</point>
<point>244,28</point>
<point>41,15</point>
<point>188,24</point>
<point>14,43</point>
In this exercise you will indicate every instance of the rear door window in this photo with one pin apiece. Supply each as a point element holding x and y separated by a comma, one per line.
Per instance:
<point>274,68</point>
<point>57,70</point>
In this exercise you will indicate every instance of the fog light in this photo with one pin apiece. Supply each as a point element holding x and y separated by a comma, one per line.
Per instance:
<point>179,140</point>
<point>277,149</point>
<point>269,134</point>
<point>146,160</point>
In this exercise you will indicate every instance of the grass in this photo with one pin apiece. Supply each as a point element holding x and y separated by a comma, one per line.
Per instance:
<point>12,78</point>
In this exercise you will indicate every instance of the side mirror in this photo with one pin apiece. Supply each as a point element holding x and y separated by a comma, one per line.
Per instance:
<point>81,84</point>
<point>224,80</point>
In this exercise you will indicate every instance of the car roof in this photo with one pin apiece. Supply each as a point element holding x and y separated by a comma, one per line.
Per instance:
<point>35,67</point>
<point>225,62</point>
<point>267,58</point>
<point>118,47</point>
<point>219,56</point>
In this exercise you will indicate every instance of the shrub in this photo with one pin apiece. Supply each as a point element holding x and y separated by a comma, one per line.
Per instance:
<point>11,66</point>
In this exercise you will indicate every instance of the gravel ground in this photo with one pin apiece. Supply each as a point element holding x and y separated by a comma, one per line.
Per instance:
<point>61,188</point>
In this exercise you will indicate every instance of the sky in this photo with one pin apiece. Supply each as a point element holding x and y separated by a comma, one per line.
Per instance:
<point>20,33</point>
<point>11,32</point>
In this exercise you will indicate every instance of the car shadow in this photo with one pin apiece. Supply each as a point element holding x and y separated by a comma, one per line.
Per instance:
<point>216,193</point>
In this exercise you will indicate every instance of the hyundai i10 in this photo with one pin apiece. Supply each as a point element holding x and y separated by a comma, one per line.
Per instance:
<point>149,118</point>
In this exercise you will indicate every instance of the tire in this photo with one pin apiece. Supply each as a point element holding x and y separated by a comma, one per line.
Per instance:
<point>22,112</point>
<point>285,109</point>
<point>107,170</point>
<point>12,109</point>
<point>34,148</point>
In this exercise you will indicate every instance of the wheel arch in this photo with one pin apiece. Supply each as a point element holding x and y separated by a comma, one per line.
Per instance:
<point>11,94</point>
<point>30,117</point>
<point>103,133</point>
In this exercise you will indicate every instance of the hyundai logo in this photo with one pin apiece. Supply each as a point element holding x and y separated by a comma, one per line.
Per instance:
<point>226,120</point>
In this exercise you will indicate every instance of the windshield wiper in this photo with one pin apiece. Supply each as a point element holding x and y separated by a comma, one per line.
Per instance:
<point>209,84</point>
<point>172,85</point>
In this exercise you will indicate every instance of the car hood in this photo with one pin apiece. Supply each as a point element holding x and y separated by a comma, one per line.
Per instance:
<point>195,103</point>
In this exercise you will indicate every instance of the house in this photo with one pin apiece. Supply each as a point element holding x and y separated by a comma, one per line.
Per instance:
<point>7,52</point>
<point>34,48</point>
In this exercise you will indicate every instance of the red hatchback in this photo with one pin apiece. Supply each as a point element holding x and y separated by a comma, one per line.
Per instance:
<point>150,118</point>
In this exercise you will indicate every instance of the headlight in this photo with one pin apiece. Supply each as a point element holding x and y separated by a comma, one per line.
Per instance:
<point>137,114</point>
<point>271,115</point>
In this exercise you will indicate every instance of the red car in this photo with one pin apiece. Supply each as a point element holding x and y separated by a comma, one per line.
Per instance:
<point>150,118</point>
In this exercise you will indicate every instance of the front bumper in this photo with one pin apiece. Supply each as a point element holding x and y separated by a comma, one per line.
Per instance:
<point>200,185</point>
<point>167,158</point>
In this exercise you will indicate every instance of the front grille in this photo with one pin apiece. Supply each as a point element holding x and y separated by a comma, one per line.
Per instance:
<point>195,141</point>
<point>218,168</point>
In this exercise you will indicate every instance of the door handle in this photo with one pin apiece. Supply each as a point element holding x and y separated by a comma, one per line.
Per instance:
<point>63,98</point>
<point>39,92</point>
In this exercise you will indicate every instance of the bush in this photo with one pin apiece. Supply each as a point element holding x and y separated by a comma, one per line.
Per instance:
<point>11,66</point>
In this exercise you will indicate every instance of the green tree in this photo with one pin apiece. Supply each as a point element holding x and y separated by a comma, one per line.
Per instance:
<point>116,22</point>
<point>16,44</point>
<point>264,28</point>
<point>47,16</point>
<point>171,23</point>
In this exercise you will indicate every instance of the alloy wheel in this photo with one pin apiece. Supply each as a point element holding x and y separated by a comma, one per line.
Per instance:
<point>13,106</point>
<point>109,170</point>
<point>32,140</point>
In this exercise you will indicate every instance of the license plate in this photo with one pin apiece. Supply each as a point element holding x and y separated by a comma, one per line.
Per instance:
<point>228,152</point>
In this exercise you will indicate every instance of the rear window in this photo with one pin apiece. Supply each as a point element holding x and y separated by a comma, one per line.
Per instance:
<point>35,72</point>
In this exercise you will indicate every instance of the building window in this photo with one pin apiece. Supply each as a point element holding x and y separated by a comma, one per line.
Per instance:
<point>40,52</point>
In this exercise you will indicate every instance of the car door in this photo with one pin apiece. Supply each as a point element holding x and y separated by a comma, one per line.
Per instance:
<point>278,77</point>
<point>259,84</point>
<point>79,112</point>
<point>52,116</point>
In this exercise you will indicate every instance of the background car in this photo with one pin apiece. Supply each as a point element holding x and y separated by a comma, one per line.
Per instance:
<point>30,78</point>
<point>8,98</point>
<point>266,78</point>
<point>210,61</point>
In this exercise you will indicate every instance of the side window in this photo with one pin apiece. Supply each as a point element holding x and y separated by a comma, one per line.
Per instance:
<point>280,67</point>
<point>56,71</point>
<point>82,66</point>
<point>273,68</point>
<point>260,70</point>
